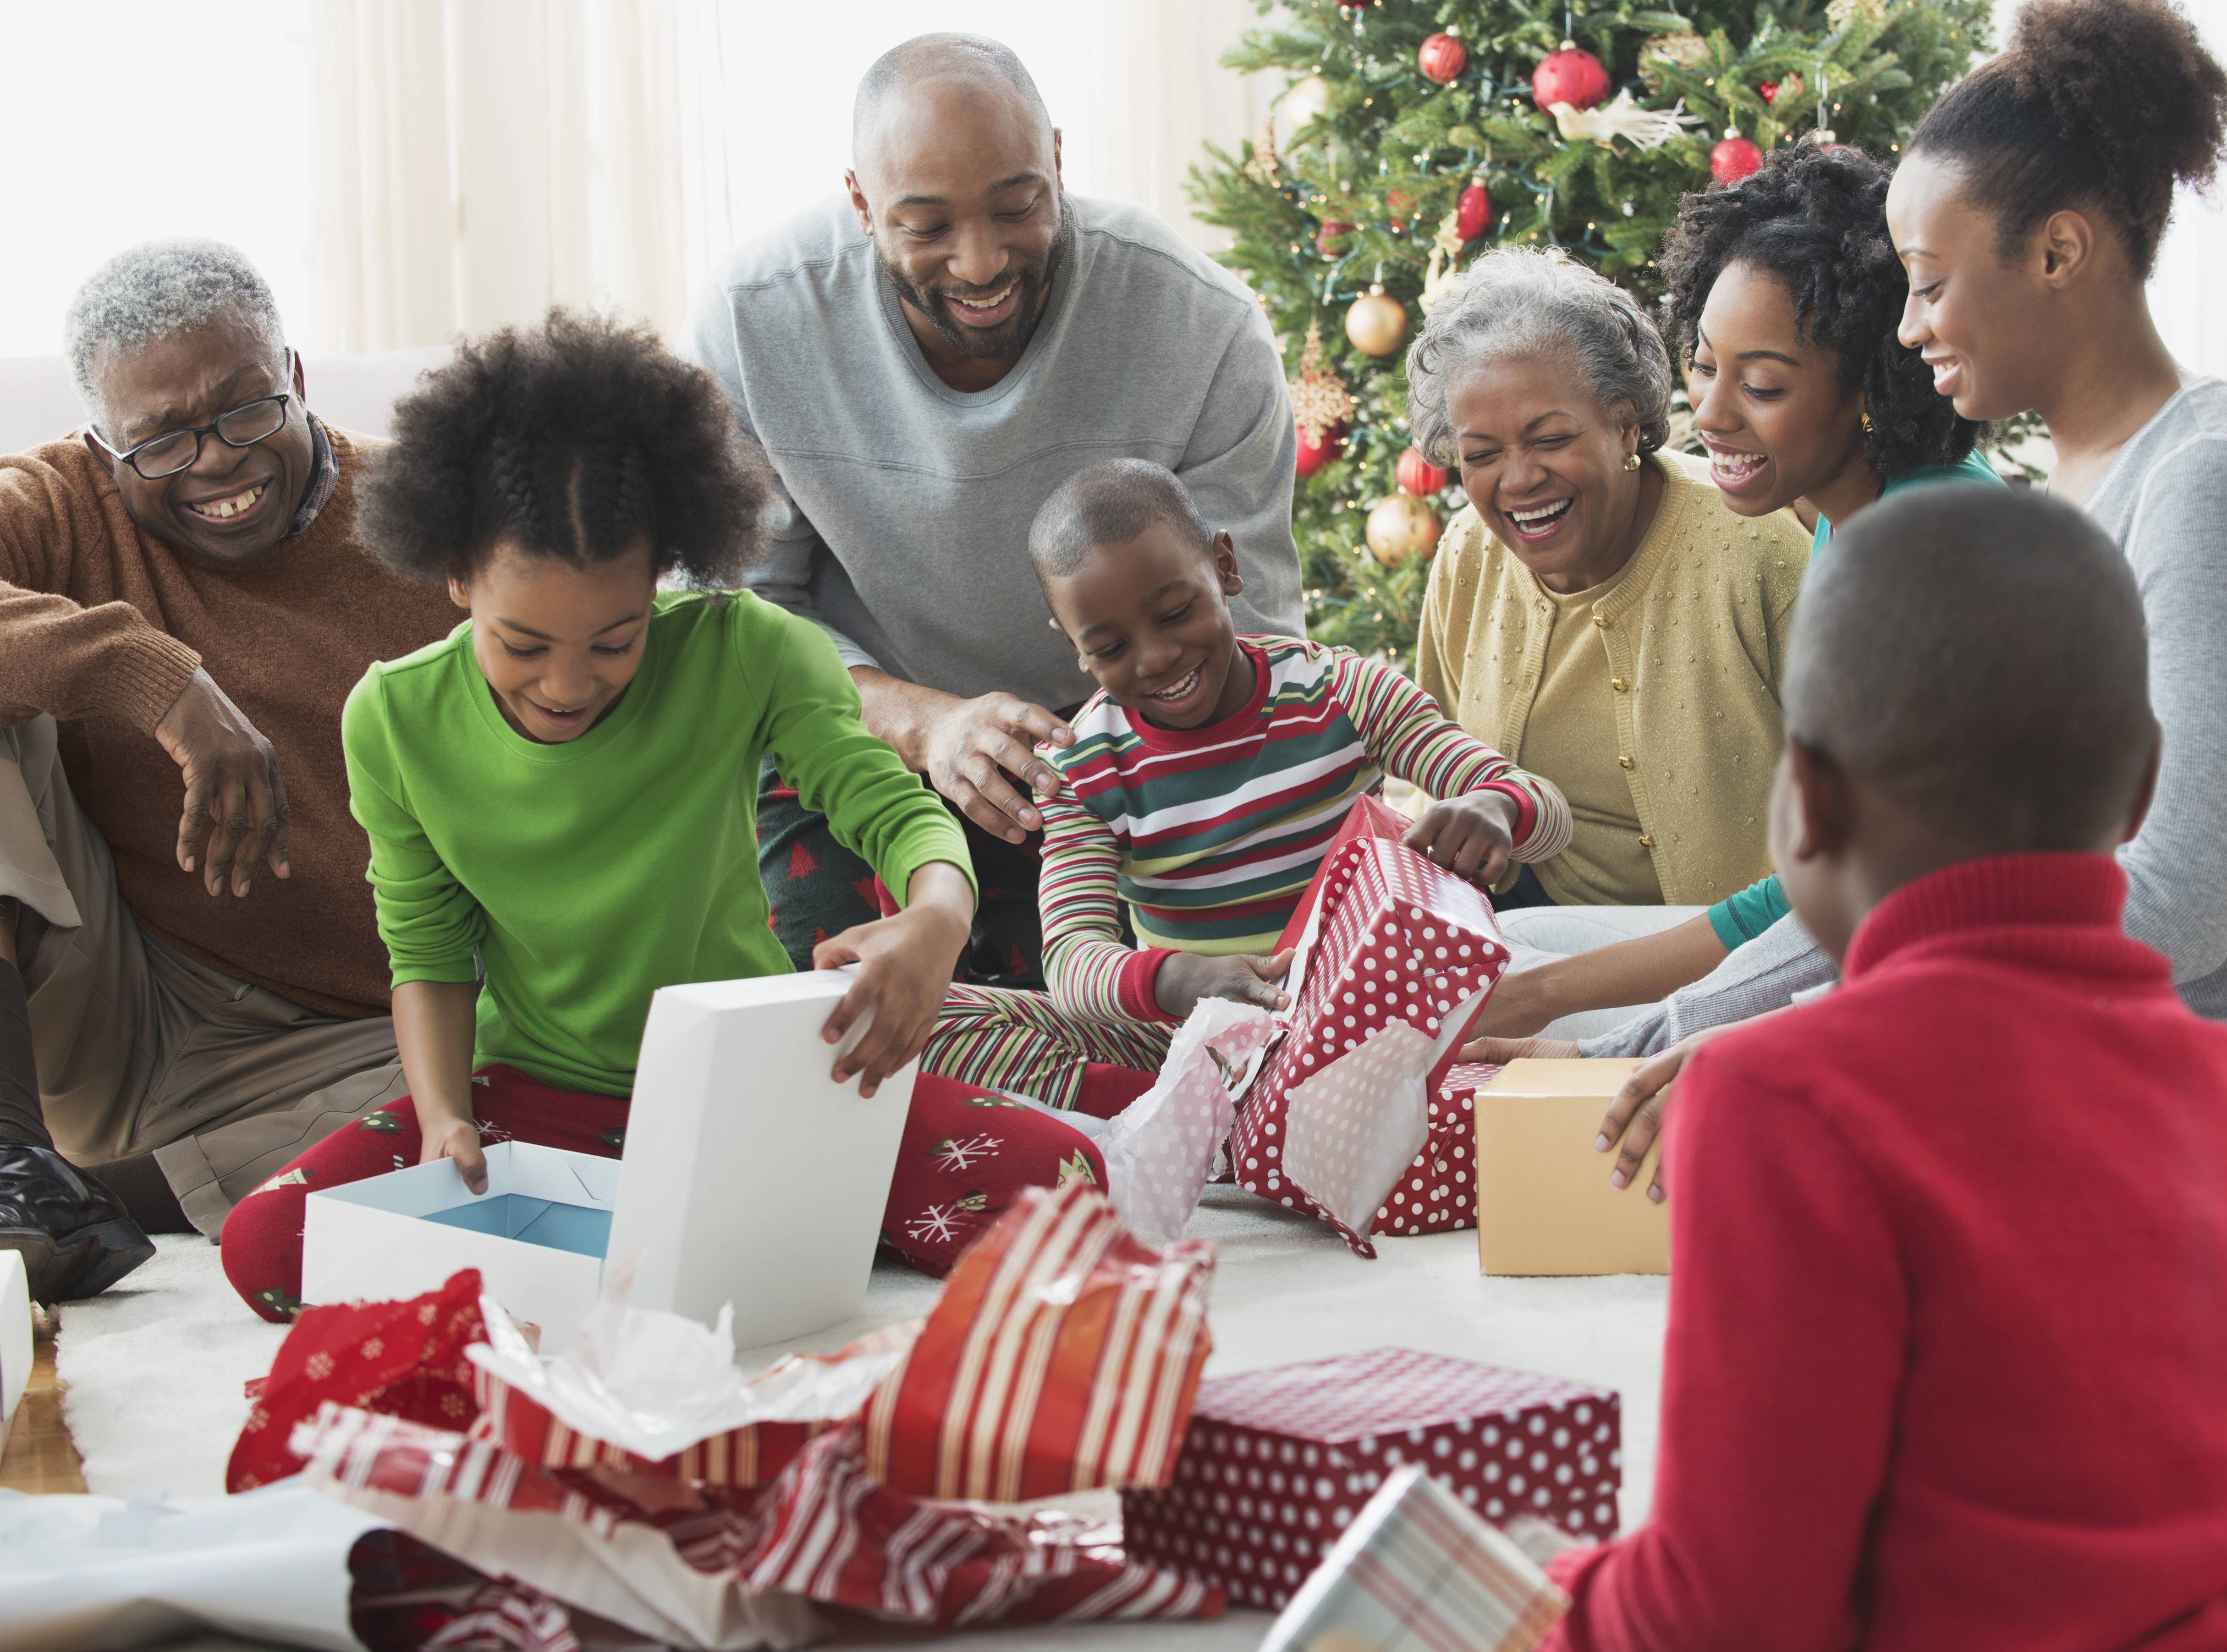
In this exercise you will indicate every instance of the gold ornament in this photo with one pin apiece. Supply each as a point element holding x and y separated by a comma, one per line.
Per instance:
<point>1401,525</point>
<point>1303,102</point>
<point>1263,167</point>
<point>1684,50</point>
<point>1320,401</point>
<point>1847,13</point>
<point>1377,324</point>
<point>1445,252</point>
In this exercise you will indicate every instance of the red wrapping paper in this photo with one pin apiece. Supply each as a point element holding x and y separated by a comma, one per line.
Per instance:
<point>1063,1354</point>
<point>1393,939</point>
<point>1277,1462</point>
<point>400,1359</point>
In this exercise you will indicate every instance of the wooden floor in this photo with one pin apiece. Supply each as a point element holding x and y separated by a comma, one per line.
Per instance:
<point>40,1457</point>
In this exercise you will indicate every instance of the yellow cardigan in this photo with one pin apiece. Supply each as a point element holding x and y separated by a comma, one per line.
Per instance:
<point>1695,634</point>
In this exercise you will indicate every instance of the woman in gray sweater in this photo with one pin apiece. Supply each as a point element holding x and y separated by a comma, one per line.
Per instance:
<point>2028,213</point>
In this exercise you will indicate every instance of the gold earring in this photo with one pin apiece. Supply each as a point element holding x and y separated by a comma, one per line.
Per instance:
<point>1868,421</point>
<point>1631,463</point>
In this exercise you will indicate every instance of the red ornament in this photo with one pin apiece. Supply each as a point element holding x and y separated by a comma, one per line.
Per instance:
<point>1442,57</point>
<point>1573,76</point>
<point>1473,212</point>
<point>1733,159</point>
<point>1399,206</point>
<point>1418,475</point>
<point>1768,92</point>
<point>1331,230</point>
<point>1314,455</point>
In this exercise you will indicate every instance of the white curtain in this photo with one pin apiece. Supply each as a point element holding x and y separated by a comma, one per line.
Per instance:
<point>480,159</point>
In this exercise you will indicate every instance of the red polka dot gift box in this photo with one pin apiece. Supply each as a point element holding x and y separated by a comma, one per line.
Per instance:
<point>1347,1118</point>
<point>1277,1463</point>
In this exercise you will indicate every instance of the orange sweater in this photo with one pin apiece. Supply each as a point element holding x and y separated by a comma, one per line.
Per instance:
<point>102,625</point>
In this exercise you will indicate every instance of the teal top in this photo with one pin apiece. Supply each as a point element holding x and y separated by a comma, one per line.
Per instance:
<point>583,877</point>
<point>1741,917</point>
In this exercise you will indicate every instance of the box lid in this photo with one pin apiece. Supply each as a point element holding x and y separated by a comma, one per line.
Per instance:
<point>1534,1076</point>
<point>1384,1391</point>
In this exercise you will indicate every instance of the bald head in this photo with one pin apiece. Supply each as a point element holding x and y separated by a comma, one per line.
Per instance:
<point>970,66</point>
<point>1982,657</point>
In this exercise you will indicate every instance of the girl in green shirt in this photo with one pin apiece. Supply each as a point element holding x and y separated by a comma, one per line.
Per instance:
<point>559,797</point>
<point>1784,293</point>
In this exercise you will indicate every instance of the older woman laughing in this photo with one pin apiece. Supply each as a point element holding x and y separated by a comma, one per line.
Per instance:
<point>1598,612</point>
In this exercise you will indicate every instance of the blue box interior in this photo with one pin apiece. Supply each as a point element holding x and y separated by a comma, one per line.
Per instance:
<point>533,1222</point>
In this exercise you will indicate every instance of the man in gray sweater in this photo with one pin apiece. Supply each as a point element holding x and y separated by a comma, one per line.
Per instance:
<point>924,362</point>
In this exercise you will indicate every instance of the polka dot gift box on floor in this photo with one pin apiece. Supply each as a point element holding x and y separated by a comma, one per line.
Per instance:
<point>1277,1463</point>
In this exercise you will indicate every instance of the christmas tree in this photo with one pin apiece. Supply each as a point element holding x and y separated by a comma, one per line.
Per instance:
<point>1414,135</point>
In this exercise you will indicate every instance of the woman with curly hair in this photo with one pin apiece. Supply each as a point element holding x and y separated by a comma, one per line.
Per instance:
<point>560,794</point>
<point>1784,293</point>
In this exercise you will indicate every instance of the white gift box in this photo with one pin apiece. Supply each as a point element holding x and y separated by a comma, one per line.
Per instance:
<point>15,1351</point>
<point>749,1176</point>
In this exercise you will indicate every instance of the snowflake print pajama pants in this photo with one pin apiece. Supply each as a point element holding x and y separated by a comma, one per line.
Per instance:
<point>967,1154</point>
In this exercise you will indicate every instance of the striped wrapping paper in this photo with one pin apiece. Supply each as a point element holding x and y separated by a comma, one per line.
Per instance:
<point>1419,1572</point>
<point>824,1531</point>
<point>1063,1355</point>
<point>733,1458</point>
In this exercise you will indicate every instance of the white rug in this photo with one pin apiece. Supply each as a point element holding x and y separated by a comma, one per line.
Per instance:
<point>155,1368</point>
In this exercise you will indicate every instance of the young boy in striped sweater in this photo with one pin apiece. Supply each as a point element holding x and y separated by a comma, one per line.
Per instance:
<point>1208,776</point>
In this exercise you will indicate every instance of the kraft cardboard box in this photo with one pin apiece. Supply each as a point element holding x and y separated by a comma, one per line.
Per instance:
<point>1544,1205</point>
<point>749,1178</point>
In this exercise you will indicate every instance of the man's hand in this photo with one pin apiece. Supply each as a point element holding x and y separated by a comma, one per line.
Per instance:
<point>972,751</point>
<point>1472,836</point>
<point>1184,977</point>
<point>446,1136</point>
<point>904,972</point>
<point>235,811</point>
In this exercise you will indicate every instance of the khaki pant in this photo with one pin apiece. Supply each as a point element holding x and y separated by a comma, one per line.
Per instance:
<point>141,1049</point>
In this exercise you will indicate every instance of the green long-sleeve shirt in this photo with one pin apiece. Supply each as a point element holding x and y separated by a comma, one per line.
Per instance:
<point>586,876</point>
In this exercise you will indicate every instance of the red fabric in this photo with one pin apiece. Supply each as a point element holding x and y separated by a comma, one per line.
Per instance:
<point>400,1359</point>
<point>1527,812</point>
<point>967,1154</point>
<point>262,1234</point>
<point>1107,1090</point>
<point>1138,986</point>
<point>1945,1347</point>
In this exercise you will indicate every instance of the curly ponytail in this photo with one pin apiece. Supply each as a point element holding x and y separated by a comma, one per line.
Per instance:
<point>2104,104</point>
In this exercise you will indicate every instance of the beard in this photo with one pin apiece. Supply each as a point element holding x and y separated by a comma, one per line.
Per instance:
<point>1008,337</point>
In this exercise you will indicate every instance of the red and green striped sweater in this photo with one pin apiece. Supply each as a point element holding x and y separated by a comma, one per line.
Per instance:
<point>1212,834</point>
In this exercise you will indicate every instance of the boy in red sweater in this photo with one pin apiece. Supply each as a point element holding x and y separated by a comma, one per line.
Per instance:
<point>1946,1359</point>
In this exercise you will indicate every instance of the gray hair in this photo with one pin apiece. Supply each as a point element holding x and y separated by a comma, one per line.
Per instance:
<point>156,291</point>
<point>1521,302</point>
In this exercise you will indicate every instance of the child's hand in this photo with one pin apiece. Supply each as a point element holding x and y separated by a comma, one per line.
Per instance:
<point>1184,977</point>
<point>449,1137</point>
<point>1472,836</point>
<point>904,972</point>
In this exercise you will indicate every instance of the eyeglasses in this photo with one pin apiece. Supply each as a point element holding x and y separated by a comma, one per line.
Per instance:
<point>175,451</point>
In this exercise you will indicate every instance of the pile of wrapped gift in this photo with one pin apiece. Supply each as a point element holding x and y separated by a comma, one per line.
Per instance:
<point>639,1490</point>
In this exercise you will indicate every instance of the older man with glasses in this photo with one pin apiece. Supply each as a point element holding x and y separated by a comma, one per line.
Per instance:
<point>184,608</point>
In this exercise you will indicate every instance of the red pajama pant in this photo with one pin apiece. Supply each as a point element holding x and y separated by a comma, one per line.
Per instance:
<point>967,1154</point>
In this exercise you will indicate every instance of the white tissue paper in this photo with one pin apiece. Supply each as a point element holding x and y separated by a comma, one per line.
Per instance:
<point>90,1574</point>
<point>655,1383</point>
<point>1159,1150</point>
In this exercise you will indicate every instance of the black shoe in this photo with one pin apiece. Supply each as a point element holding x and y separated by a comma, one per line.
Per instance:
<point>75,1240</point>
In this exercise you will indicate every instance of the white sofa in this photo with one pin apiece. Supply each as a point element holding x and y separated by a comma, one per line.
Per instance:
<point>38,404</point>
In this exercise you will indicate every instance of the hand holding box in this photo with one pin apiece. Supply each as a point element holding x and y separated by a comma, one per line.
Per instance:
<point>1545,1205</point>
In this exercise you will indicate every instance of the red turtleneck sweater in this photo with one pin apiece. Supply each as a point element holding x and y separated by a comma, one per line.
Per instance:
<point>1946,1359</point>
